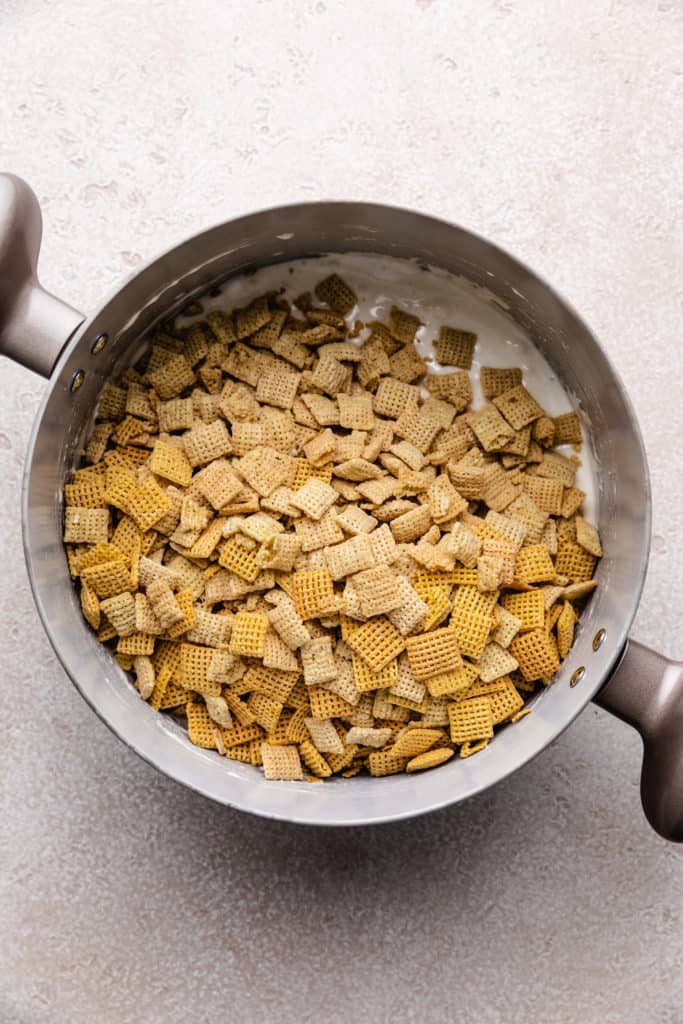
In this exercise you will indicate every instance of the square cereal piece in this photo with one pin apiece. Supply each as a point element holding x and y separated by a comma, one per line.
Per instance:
<point>403,325</point>
<point>175,414</point>
<point>325,704</point>
<point>491,429</point>
<point>248,634</point>
<point>418,428</point>
<point>407,364</point>
<point>377,642</point>
<point>383,762</point>
<point>86,525</point>
<point>171,463</point>
<point>495,661</point>
<point>218,483</point>
<point>565,629</point>
<point>411,525</point>
<point>324,411</point>
<point>366,680</point>
<point>312,592</point>
<point>431,654</point>
<point>377,589</point>
<point>558,467</point>
<point>329,375</point>
<point>314,498</point>
<point>281,763</point>
<point>567,429</point>
<point>278,386</point>
<point>353,520</point>
<point>266,710</point>
<point>355,412</point>
<point>416,741</point>
<point>283,552</point>
<point>285,619</point>
<point>379,491</point>
<point>507,629</point>
<point>350,557</point>
<point>471,720</point>
<point>588,537</point>
<point>574,561</point>
<point>495,381</point>
<point>528,608</point>
<point>163,604</point>
<point>572,501</point>
<point>120,612</point>
<point>444,501</point>
<point>252,317</point>
<point>324,736</point>
<point>240,560</point>
<point>409,454</point>
<point>358,470</point>
<point>200,726</point>
<point>537,655</point>
<point>525,510</point>
<point>441,411</point>
<point>315,535</point>
<point>455,347</point>
<point>193,668</point>
<point>471,619</point>
<point>210,630</point>
<point>171,379</point>
<point>265,469</point>
<point>410,611</point>
<point>368,736</point>
<point>394,396</point>
<point>336,293</point>
<point>222,326</point>
<point>547,494</point>
<point>207,442</point>
<point>383,545</point>
<point>518,407</point>
<point>534,565</point>
<point>505,703</point>
<point>112,403</point>
<point>319,450</point>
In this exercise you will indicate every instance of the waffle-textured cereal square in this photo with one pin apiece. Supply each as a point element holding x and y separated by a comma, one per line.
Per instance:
<point>403,325</point>
<point>384,762</point>
<point>193,668</point>
<point>410,610</point>
<point>86,525</point>
<point>495,661</point>
<point>470,720</point>
<point>248,634</point>
<point>120,612</point>
<point>417,427</point>
<point>393,397</point>
<point>312,592</point>
<point>518,407</point>
<point>350,557</point>
<point>534,564</point>
<point>281,762</point>
<point>412,742</point>
<point>491,429</point>
<point>455,347</point>
<point>471,619</point>
<point>377,590</point>
<point>337,294</point>
<point>278,385</point>
<point>200,727</point>
<point>377,642</point>
<point>431,654</point>
<point>567,429</point>
<point>588,537</point>
<point>314,498</point>
<point>497,380</point>
<point>537,655</point>
<point>317,658</point>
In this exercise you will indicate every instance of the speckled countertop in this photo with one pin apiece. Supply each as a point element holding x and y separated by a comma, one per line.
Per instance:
<point>552,128</point>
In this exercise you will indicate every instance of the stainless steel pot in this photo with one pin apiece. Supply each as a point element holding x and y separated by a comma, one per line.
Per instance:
<point>79,355</point>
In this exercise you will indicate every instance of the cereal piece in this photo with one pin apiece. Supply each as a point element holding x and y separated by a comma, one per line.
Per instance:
<point>554,466</point>
<point>471,619</point>
<point>312,592</point>
<point>379,491</point>
<point>367,680</point>
<point>430,759</point>
<point>264,469</point>
<point>281,762</point>
<point>536,654</point>
<point>314,760</point>
<point>175,414</point>
<point>548,494</point>
<point>248,634</point>
<point>171,463</point>
<point>508,627</point>
<point>355,412</point>
<point>368,736</point>
<point>266,710</point>
<point>285,620</point>
<point>534,564</point>
<point>393,397</point>
<point>572,501</point>
<point>218,483</point>
<point>407,365</point>
<point>411,525</point>
<point>200,729</point>
<point>210,630</point>
<point>171,379</point>
<point>107,579</point>
<point>415,741</point>
<point>324,736</point>
<point>90,606</point>
<point>495,381</point>
<point>240,560</point>
<point>350,557</point>
<point>112,403</point>
<point>318,661</point>
<point>277,654</point>
<point>403,325</point>
<point>163,603</point>
<point>120,612</point>
<point>377,642</point>
<point>144,671</point>
<point>455,347</point>
<point>445,503</point>
<point>523,509</point>
<point>383,762</point>
<point>495,661</point>
<point>337,294</point>
<point>431,654</point>
<point>206,442</point>
<point>417,427</point>
<point>377,590</point>
<point>193,667</point>
<point>358,470</point>
<point>86,525</point>
<point>470,720</point>
<point>588,537</point>
<point>527,607</point>
<point>518,407</point>
<point>565,629</point>
<point>325,704</point>
<point>314,498</point>
<point>278,385</point>
<point>574,561</point>
<point>505,703</point>
<point>567,429</point>
<point>354,521</point>
<point>410,609</point>
<point>491,429</point>
<point>455,683</point>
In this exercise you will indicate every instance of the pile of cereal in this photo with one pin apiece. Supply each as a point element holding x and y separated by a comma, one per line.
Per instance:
<point>305,543</point>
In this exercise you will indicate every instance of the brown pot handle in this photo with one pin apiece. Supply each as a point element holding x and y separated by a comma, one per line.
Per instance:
<point>34,325</point>
<point>646,690</point>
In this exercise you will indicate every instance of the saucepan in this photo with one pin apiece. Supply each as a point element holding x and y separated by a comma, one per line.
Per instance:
<point>79,355</point>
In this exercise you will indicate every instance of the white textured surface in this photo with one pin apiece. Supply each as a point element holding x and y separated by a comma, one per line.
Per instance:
<point>552,128</point>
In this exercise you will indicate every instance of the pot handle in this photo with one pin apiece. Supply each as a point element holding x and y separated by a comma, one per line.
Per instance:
<point>646,691</point>
<point>34,325</point>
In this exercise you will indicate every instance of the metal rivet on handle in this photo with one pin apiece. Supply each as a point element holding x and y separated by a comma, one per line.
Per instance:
<point>577,676</point>
<point>99,343</point>
<point>77,380</point>
<point>598,638</point>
